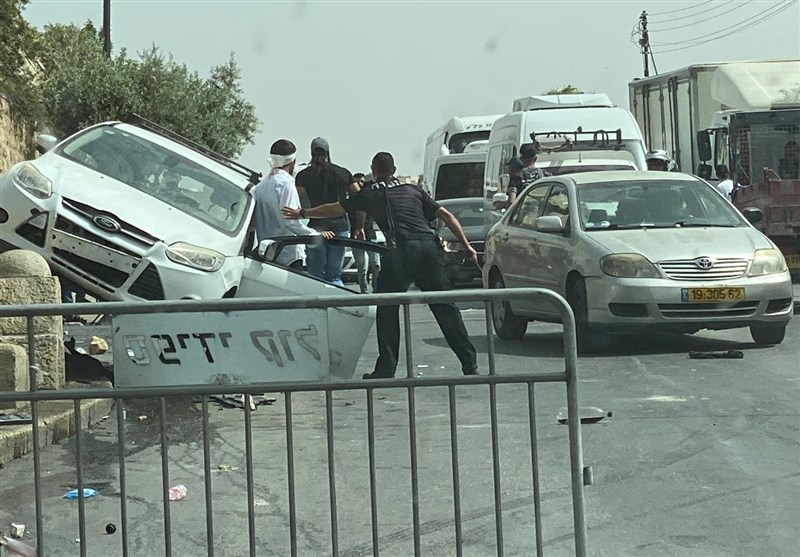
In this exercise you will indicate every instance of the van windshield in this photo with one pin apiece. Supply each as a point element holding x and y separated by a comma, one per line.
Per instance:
<point>162,174</point>
<point>459,141</point>
<point>464,179</point>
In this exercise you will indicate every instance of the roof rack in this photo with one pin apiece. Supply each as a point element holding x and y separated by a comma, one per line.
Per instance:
<point>600,138</point>
<point>149,125</point>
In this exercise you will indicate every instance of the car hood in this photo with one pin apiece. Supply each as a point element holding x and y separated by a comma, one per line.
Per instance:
<point>84,185</point>
<point>665,244</point>
<point>474,234</point>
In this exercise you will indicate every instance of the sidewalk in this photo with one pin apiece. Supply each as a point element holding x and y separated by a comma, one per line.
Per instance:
<point>56,423</point>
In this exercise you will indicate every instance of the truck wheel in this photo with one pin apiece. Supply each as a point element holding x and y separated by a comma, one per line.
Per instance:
<point>507,326</point>
<point>588,341</point>
<point>768,333</point>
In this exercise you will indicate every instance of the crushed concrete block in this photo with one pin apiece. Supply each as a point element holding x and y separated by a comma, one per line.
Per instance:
<point>24,291</point>
<point>14,374</point>
<point>97,346</point>
<point>49,351</point>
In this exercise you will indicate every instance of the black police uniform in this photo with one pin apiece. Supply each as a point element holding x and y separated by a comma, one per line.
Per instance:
<point>403,212</point>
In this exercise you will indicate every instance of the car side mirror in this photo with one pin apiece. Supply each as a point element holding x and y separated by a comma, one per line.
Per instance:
<point>268,250</point>
<point>45,142</point>
<point>704,171</point>
<point>753,215</point>
<point>549,223</point>
<point>704,145</point>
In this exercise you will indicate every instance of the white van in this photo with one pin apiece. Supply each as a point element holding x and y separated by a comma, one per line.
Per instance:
<point>457,135</point>
<point>458,175</point>
<point>574,133</point>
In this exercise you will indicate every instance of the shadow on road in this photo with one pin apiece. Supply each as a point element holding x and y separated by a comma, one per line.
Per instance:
<point>551,345</point>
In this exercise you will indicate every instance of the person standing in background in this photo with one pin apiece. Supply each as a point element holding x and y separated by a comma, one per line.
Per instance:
<point>324,182</point>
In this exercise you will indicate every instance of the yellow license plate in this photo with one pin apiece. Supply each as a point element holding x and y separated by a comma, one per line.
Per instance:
<point>793,261</point>
<point>693,295</point>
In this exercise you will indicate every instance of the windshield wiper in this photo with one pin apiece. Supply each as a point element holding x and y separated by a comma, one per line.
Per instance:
<point>685,224</point>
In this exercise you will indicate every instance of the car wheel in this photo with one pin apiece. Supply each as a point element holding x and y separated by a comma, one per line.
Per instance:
<point>588,341</point>
<point>507,326</point>
<point>768,333</point>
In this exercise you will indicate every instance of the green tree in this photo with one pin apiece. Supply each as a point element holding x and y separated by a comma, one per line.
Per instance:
<point>568,90</point>
<point>17,47</point>
<point>83,87</point>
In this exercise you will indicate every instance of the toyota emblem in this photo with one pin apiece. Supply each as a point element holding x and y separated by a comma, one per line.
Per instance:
<point>704,263</point>
<point>106,223</point>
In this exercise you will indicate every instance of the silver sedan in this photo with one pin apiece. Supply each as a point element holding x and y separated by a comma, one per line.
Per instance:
<point>637,249</point>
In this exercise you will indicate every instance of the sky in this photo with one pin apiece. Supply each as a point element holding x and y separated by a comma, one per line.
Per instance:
<point>382,75</point>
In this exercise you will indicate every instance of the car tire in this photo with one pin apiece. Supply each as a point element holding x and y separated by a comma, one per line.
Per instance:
<point>589,341</point>
<point>507,326</point>
<point>768,333</point>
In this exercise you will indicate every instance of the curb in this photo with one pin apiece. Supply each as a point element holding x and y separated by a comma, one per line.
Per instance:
<point>56,423</point>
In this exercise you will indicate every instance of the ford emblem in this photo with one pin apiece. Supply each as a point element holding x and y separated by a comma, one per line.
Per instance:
<point>704,263</point>
<point>106,223</point>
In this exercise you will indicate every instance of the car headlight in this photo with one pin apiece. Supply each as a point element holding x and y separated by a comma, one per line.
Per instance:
<point>767,262</point>
<point>628,265</point>
<point>34,182</point>
<point>452,247</point>
<point>196,257</point>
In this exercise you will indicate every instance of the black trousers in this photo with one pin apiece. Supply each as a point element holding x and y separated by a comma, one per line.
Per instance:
<point>420,262</point>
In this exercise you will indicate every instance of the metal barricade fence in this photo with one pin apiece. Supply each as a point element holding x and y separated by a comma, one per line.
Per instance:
<point>410,383</point>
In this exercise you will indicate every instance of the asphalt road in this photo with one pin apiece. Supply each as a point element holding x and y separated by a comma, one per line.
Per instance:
<point>701,457</point>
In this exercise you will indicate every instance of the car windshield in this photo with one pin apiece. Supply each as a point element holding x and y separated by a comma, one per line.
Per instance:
<point>653,204</point>
<point>468,213</point>
<point>162,174</point>
<point>464,179</point>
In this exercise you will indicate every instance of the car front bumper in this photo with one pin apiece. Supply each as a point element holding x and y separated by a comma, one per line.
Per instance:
<point>111,266</point>
<point>617,303</point>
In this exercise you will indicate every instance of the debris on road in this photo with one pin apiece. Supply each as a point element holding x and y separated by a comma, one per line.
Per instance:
<point>226,468</point>
<point>177,493</point>
<point>724,354</point>
<point>87,492</point>
<point>110,528</point>
<point>589,415</point>
<point>260,503</point>
<point>142,418</point>
<point>16,547</point>
<point>17,530</point>
<point>15,419</point>
<point>97,346</point>
<point>238,401</point>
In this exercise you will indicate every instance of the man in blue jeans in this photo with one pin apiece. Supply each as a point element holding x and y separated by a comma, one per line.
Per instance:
<point>324,182</point>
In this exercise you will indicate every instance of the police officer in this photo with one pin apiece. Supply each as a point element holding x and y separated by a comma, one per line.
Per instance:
<point>403,212</point>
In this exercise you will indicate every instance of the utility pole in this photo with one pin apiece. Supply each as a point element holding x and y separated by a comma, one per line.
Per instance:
<point>644,42</point>
<point>107,28</point>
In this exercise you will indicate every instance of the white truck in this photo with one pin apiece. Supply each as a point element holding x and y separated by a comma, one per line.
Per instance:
<point>744,115</point>
<point>467,134</point>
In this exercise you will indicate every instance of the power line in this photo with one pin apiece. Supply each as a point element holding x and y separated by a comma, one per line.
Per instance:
<point>713,8</point>
<point>716,16</point>
<point>682,9</point>
<point>728,28</point>
<point>775,10</point>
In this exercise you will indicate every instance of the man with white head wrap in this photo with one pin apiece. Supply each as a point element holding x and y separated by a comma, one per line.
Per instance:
<point>277,190</point>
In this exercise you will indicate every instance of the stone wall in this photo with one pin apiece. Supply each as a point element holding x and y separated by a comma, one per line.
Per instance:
<point>16,136</point>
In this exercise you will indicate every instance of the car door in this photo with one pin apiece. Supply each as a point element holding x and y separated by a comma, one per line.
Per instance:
<point>517,248</point>
<point>348,327</point>
<point>553,248</point>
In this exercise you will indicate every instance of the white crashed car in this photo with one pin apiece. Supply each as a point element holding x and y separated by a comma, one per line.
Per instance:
<point>127,213</point>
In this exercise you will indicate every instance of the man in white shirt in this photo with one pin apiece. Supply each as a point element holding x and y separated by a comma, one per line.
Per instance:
<point>277,190</point>
<point>725,184</point>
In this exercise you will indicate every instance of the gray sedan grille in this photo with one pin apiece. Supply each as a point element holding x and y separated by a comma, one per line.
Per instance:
<point>688,269</point>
